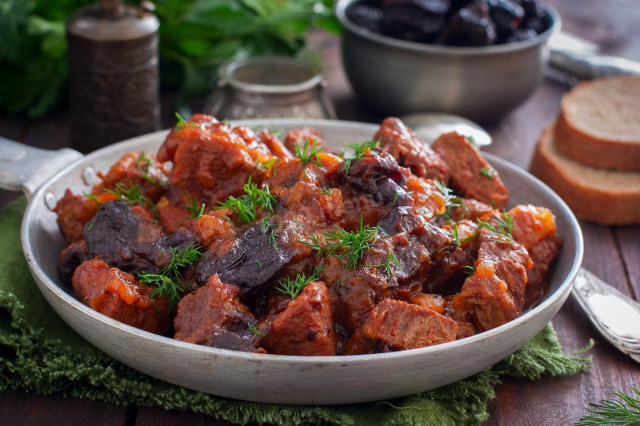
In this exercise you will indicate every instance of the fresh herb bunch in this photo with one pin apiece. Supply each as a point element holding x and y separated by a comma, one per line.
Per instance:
<point>196,36</point>
<point>145,165</point>
<point>345,245</point>
<point>131,194</point>
<point>386,266</point>
<point>246,206</point>
<point>308,152</point>
<point>195,208</point>
<point>450,200</point>
<point>182,123</point>
<point>168,280</point>
<point>625,411</point>
<point>293,287</point>
<point>503,227</point>
<point>359,150</point>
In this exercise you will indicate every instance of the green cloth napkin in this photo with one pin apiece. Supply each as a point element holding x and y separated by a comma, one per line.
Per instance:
<point>40,353</point>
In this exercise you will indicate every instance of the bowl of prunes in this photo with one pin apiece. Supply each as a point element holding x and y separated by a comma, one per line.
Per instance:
<point>476,58</point>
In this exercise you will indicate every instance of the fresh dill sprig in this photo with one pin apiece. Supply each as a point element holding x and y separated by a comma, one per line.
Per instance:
<point>469,270</point>
<point>195,209</point>
<point>145,164</point>
<point>359,151</point>
<point>278,133</point>
<point>386,266</point>
<point>266,164</point>
<point>247,205</point>
<point>308,152</point>
<point>625,411</point>
<point>131,194</point>
<point>450,200</point>
<point>456,237</point>
<point>92,198</point>
<point>168,280</point>
<point>267,226</point>
<point>504,227</point>
<point>487,172</point>
<point>255,330</point>
<point>293,287</point>
<point>345,245</point>
<point>182,123</point>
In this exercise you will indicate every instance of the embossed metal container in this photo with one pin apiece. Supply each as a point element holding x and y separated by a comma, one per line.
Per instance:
<point>269,87</point>
<point>113,67</point>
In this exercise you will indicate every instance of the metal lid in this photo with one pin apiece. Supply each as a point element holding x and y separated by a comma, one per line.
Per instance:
<point>111,21</point>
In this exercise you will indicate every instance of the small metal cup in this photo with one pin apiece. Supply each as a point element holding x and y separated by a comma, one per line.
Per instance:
<point>269,87</point>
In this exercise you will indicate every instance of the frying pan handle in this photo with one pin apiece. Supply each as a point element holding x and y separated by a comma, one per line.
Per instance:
<point>25,168</point>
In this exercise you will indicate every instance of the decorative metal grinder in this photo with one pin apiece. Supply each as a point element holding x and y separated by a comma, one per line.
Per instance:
<point>113,67</point>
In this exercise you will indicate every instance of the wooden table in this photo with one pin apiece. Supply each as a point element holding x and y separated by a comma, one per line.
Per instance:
<point>613,253</point>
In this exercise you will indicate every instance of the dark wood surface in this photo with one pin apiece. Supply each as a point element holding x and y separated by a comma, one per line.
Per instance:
<point>613,253</point>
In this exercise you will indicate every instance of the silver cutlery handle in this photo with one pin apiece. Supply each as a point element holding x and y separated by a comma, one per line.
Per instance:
<point>25,168</point>
<point>614,314</point>
<point>588,66</point>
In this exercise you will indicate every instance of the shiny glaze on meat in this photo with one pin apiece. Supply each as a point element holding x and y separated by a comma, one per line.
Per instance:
<point>438,266</point>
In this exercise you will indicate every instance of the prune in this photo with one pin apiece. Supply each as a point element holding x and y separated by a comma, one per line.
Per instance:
<point>459,4</point>
<point>532,8</point>
<point>365,16</point>
<point>417,20</point>
<point>506,15</point>
<point>536,24</point>
<point>471,26</point>
<point>452,22</point>
<point>521,35</point>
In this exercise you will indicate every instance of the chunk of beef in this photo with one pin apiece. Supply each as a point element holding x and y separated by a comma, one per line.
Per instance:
<point>74,211</point>
<point>305,327</point>
<point>470,209</point>
<point>435,302</point>
<point>448,271</point>
<point>356,296</point>
<point>471,175</point>
<point>274,144</point>
<point>542,255</point>
<point>120,296</point>
<point>135,169</point>
<point>535,228</point>
<point>393,325</point>
<point>213,227</point>
<point>494,293</point>
<point>407,220</point>
<point>215,316</point>
<point>532,224</point>
<point>426,198</point>
<point>211,162</point>
<point>125,237</point>
<point>173,217</point>
<point>299,136</point>
<point>379,176</point>
<point>249,261</point>
<point>410,151</point>
<point>70,258</point>
<point>198,123</point>
<point>404,262</point>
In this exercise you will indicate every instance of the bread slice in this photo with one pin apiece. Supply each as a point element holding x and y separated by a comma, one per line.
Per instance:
<point>604,196</point>
<point>599,123</point>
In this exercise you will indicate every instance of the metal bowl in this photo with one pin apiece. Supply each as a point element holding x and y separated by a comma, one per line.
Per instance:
<point>398,77</point>
<point>282,378</point>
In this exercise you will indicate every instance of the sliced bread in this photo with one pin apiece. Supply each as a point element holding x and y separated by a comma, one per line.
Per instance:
<point>603,196</point>
<point>599,123</point>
